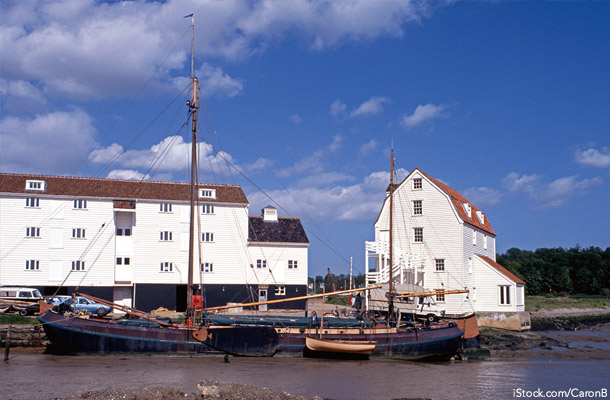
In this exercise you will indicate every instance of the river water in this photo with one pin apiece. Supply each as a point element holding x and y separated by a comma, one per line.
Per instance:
<point>45,376</point>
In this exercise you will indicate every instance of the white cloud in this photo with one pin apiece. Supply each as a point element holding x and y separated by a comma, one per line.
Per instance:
<point>337,109</point>
<point>482,196</point>
<point>54,143</point>
<point>367,148</point>
<point>593,157</point>
<point>314,163</point>
<point>20,96</point>
<point>126,174</point>
<point>372,106</point>
<point>296,118</point>
<point>89,49</point>
<point>106,154</point>
<point>553,194</point>
<point>422,114</point>
<point>260,164</point>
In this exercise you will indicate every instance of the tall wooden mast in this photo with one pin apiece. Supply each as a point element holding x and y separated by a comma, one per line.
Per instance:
<point>390,289</point>
<point>193,106</point>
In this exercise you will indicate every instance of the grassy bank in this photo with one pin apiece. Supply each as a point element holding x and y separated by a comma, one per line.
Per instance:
<point>16,319</point>
<point>536,303</point>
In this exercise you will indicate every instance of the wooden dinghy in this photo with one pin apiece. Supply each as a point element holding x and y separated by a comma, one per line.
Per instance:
<point>363,347</point>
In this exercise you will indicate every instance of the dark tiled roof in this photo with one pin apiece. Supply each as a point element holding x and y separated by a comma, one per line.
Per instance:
<point>117,189</point>
<point>458,200</point>
<point>501,269</point>
<point>285,230</point>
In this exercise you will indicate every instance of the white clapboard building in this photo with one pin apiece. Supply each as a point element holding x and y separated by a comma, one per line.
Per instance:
<point>441,241</point>
<point>127,241</point>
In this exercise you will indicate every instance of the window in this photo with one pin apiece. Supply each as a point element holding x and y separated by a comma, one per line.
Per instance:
<point>32,265</point>
<point>418,235</point>
<point>417,207</point>
<point>474,238</point>
<point>123,232</point>
<point>165,207</point>
<point>32,231</point>
<point>208,209</point>
<point>207,237</point>
<point>165,236</point>
<point>207,193</point>
<point>32,202</point>
<point>485,242</point>
<point>292,264</point>
<point>78,265</point>
<point>280,290</point>
<point>123,261</point>
<point>468,209</point>
<point>261,263</point>
<point>504,295</point>
<point>207,267</point>
<point>440,298</point>
<point>78,233</point>
<point>470,265</point>
<point>439,265</point>
<point>417,183</point>
<point>80,204</point>
<point>35,185</point>
<point>167,266</point>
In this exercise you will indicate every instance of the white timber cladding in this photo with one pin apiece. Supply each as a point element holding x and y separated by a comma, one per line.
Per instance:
<point>55,248</point>
<point>446,236</point>
<point>488,281</point>
<point>123,246</point>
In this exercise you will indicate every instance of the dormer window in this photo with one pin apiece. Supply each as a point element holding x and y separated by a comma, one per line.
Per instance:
<point>207,193</point>
<point>39,186</point>
<point>270,214</point>
<point>417,184</point>
<point>481,217</point>
<point>468,209</point>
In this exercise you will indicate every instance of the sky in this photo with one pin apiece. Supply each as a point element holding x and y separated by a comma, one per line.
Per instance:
<point>506,102</point>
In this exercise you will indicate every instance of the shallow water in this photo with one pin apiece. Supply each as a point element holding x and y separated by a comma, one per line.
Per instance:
<point>42,376</point>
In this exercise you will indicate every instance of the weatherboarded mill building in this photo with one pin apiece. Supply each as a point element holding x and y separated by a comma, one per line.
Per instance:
<point>441,241</point>
<point>127,241</point>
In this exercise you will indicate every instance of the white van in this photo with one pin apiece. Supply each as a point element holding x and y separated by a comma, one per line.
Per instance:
<point>17,299</point>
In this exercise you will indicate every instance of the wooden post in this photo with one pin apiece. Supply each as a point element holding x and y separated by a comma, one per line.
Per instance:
<point>8,343</point>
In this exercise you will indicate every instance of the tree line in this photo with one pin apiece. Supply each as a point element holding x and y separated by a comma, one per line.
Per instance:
<point>559,270</point>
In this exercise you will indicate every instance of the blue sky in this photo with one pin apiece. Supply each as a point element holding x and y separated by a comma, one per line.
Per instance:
<point>506,102</point>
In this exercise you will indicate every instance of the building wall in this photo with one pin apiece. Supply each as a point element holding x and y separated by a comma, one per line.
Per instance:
<point>487,289</point>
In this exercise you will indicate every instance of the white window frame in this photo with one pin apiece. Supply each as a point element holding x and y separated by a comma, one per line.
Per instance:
<point>166,266</point>
<point>32,232</point>
<point>280,290</point>
<point>417,184</point>
<point>207,267</point>
<point>261,263</point>
<point>78,265</point>
<point>207,193</point>
<point>485,242</point>
<point>79,233</point>
<point>418,207</point>
<point>123,231</point>
<point>165,208</point>
<point>207,237</point>
<point>439,298</point>
<point>166,236</point>
<point>293,264</point>
<point>439,265</point>
<point>207,209</point>
<point>32,202</point>
<point>123,261</point>
<point>80,204</point>
<point>39,186</point>
<point>474,238</point>
<point>504,295</point>
<point>418,235</point>
<point>32,265</point>
<point>470,265</point>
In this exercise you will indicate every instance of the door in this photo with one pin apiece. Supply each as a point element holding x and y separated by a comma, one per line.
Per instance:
<point>262,296</point>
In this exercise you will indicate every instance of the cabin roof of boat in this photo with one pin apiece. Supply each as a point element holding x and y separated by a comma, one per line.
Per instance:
<point>118,189</point>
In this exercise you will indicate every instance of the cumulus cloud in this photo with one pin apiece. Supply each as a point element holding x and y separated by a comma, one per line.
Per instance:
<point>553,194</point>
<point>314,163</point>
<point>593,157</point>
<point>337,109</point>
<point>20,96</point>
<point>482,196</point>
<point>372,106</point>
<point>367,148</point>
<point>53,143</point>
<point>126,174</point>
<point>422,114</point>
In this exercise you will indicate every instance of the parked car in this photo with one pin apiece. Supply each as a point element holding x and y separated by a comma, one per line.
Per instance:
<point>56,300</point>
<point>83,304</point>
<point>21,299</point>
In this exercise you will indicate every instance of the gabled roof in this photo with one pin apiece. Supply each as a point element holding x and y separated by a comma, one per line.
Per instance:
<point>458,201</point>
<point>284,230</point>
<point>116,188</point>
<point>501,269</point>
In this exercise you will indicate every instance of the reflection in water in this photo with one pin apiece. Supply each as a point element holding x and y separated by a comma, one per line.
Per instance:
<point>375,379</point>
